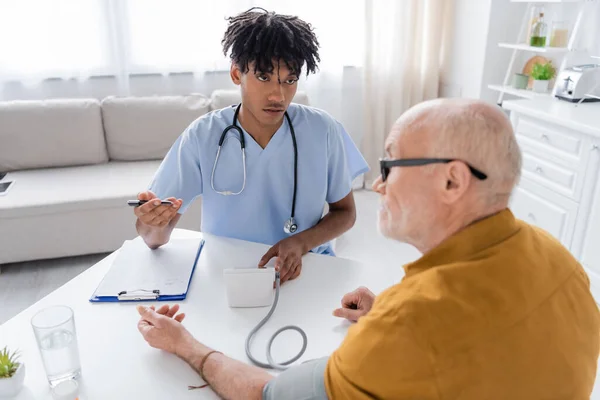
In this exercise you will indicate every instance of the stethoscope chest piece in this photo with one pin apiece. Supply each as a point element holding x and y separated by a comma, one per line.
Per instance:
<point>290,226</point>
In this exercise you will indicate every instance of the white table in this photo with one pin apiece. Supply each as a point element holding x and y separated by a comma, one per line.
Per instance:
<point>118,364</point>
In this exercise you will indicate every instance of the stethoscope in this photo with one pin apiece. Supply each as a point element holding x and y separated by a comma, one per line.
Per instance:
<point>290,226</point>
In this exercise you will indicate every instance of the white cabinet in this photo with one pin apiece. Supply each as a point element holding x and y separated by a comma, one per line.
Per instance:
<point>560,185</point>
<point>590,249</point>
<point>591,243</point>
<point>541,207</point>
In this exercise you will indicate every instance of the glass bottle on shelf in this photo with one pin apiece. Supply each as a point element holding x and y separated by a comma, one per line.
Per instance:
<point>533,19</point>
<point>538,32</point>
<point>559,35</point>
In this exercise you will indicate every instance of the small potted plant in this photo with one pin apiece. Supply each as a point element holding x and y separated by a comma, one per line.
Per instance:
<point>12,373</point>
<point>542,74</point>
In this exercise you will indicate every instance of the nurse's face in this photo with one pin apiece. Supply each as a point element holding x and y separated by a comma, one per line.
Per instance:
<point>266,95</point>
<point>408,200</point>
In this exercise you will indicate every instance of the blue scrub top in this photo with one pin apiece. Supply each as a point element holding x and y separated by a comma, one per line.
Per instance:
<point>328,161</point>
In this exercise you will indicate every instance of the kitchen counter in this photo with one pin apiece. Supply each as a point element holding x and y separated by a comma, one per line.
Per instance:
<point>584,117</point>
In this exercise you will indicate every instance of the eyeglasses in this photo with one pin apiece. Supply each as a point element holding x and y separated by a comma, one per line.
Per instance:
<point>413,162</point>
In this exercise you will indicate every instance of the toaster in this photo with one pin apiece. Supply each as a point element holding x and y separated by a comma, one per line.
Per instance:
<point>574,83</point>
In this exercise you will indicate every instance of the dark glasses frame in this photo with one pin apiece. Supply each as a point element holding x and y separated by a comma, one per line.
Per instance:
<point>386,165</point>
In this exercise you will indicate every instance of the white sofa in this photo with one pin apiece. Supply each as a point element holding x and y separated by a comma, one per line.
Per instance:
<point>75,162</point>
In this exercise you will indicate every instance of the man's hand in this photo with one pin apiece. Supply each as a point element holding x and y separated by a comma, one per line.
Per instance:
<point>153,213</point>
<point>355,304</point>
<point>230,379</point>
<point>289,252</point>
<point>162,328</point>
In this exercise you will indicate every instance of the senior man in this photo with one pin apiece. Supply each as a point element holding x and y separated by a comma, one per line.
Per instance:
<point>494,309</point>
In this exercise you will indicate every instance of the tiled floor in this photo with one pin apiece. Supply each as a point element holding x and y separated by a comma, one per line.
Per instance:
<point>22,284</point>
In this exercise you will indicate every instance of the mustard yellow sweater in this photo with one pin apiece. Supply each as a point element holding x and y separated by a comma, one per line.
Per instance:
<point>500,310</point>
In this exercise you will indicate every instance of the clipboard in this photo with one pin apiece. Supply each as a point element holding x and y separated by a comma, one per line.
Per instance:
<point>141,274</point>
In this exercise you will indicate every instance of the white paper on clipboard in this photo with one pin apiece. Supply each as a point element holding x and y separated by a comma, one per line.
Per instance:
<point>138,268</point>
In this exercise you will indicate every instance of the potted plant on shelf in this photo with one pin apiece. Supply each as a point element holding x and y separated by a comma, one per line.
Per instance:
<point>542,74</point>
<point>12,373</point>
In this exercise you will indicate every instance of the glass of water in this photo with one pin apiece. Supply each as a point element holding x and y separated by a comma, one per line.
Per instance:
<point>54,329</point>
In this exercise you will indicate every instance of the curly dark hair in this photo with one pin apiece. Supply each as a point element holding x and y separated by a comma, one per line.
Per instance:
<point>260,36</point>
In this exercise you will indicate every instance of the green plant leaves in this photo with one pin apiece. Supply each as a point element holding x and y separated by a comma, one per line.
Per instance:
<point>8,363</point>
<point>543,72</point>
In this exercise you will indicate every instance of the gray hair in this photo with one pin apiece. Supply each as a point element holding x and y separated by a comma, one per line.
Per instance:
<point>478,133</point>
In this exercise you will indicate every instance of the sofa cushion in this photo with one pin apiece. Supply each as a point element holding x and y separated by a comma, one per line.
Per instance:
<point>145,128</point>
<point>225,98</point>
<point>50,133</point>
<point>64,212</point>
<point>54,190</point>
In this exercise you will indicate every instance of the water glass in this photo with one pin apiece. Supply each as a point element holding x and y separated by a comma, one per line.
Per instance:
<point>54,329</point>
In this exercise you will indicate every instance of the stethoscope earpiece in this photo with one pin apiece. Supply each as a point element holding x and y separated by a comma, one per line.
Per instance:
<point>290,225</point>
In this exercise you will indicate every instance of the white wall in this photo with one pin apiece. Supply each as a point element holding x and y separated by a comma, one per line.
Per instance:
<point>463,71</point>
<point>476,60</point>
<point>504,22</point>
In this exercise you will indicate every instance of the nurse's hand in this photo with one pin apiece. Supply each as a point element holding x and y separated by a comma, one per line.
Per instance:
<point>289,252</point>
<point>153,213</point>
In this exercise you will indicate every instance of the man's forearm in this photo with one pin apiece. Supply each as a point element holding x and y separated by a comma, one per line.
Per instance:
<point>154,236</point>
<point>333,225</point>
<point>229,378</point>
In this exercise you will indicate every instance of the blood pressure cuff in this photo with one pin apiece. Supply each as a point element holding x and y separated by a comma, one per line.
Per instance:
<point>305,381</point>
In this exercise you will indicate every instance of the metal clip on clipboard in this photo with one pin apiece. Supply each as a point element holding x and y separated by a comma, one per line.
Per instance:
<point>138,294</point>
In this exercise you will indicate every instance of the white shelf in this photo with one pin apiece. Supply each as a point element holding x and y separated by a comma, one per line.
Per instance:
<point>526,94</point>
<point>545,1</point>
<point>561,54</point>
<point>533,48</point>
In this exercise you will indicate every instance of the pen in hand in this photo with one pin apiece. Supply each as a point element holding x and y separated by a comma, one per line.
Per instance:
<point>137,203</point>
